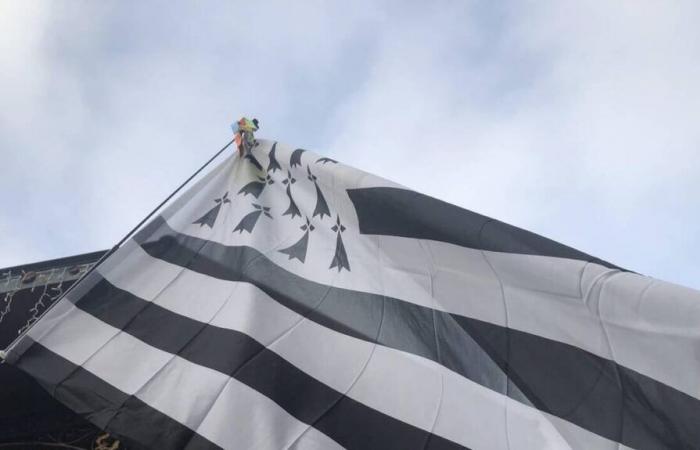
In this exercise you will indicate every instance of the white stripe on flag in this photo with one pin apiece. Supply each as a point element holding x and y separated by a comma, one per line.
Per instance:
<point>396,383</point>
<point>555,298</point>
<point>209,402</point>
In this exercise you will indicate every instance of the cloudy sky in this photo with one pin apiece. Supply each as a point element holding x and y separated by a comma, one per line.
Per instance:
<point>576,120</point>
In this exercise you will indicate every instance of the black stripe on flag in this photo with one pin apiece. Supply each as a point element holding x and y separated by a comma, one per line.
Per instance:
<point>592,392</point>
<point>399,212</point>
<point>348,422</point>
<point>104,405</point>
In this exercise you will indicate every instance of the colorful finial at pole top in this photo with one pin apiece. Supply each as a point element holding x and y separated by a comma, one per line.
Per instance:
<point>243,133</point>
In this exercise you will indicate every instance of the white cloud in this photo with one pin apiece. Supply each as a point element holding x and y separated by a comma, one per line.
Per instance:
<point>573,119</point>
<point>576,120</point>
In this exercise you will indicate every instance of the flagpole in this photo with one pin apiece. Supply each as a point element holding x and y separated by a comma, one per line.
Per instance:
<point>3,354</point>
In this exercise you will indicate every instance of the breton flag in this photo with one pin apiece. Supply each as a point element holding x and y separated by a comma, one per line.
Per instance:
<point>289,301</point>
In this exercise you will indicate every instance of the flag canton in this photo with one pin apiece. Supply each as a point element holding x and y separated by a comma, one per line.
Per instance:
<point>294,179</point>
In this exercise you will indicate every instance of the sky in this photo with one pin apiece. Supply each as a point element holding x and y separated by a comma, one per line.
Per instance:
<point>575,120</point>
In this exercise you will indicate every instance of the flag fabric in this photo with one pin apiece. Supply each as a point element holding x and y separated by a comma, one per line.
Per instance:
<point>289,301</point>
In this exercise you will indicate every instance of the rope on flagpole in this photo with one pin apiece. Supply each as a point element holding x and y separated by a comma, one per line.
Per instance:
<point>3,354</point>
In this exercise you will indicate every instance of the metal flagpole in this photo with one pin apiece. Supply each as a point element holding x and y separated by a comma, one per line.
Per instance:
<point>3,354</point>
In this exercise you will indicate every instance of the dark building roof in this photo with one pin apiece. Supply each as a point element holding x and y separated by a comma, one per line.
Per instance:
<point>66,261</point>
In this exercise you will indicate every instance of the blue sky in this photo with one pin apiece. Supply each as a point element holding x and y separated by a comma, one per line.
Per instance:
<point>576,120</point>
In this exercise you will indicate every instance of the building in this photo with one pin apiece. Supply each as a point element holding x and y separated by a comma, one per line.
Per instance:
<point>29,417</point>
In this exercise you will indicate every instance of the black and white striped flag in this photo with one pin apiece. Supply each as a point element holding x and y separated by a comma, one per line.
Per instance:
<point>289,301</point>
